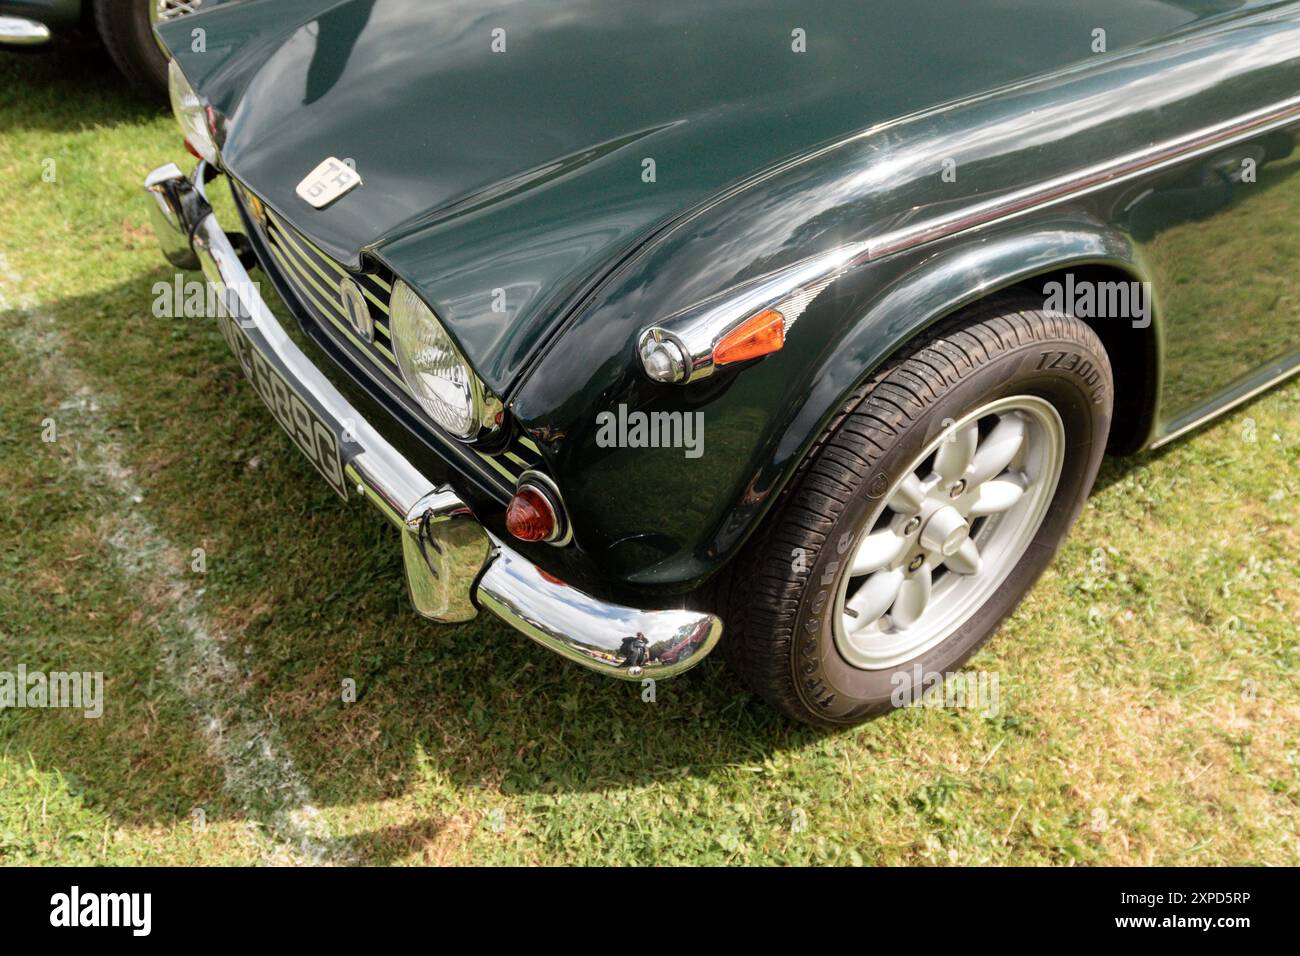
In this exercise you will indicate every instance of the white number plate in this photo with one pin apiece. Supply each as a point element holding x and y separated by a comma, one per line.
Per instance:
<point>327,182</point>
<point>309,431</point>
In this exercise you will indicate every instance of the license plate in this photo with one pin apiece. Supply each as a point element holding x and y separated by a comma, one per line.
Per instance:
<point>314,437</point>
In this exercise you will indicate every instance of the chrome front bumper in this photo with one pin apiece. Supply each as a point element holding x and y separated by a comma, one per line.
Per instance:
<point>454,566</point>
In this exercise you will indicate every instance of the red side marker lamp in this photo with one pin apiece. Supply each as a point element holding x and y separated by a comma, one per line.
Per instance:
<point>531,515</point>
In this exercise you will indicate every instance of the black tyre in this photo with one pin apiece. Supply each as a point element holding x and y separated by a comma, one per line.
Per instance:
<point>923,514</point>
<point>126,27</point>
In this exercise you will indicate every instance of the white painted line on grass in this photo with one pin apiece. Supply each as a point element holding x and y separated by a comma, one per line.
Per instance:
<point>259,774</point>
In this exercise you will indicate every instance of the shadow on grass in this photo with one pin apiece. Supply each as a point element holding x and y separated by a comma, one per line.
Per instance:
<point>36,87</point>
<point>306,592</point>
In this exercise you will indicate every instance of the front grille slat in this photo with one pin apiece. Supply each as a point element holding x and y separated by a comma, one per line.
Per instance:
<point>303,279</point>
<point>323,275</point>
<point>296,280</point>
<point>374,301</point>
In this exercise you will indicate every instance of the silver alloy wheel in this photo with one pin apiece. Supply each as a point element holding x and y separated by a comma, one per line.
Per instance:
<point>954,527</point>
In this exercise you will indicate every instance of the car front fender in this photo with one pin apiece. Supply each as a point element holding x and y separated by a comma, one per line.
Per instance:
<point>667,517</point>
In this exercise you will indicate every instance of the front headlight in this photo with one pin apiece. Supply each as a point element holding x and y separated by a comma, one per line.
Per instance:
<point>192,113</point>
<point>435,371</point>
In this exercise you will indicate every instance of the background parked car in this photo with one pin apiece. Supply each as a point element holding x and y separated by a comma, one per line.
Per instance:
<point>125,26</point>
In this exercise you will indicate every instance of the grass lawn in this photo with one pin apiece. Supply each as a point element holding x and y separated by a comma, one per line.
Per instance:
<point>1150,704</point>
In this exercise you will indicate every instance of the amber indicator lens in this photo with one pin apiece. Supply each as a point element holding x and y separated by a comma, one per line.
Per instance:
<point>530,516</point>
<point>757,336</point>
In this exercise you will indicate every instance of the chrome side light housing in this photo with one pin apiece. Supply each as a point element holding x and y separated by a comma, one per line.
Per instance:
<point>434,370</point>
<point>197,120</point>
<point>741,324</point>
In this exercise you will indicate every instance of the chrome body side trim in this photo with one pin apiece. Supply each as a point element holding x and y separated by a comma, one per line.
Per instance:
<point>696,331</point>
<point>1238,396</point>
<point>1082,182</point>
<point>19,31</point>
<point>453,565</point>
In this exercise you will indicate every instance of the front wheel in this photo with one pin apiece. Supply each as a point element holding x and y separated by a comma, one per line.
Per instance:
<point>126,27</point>
<point>923,515</point>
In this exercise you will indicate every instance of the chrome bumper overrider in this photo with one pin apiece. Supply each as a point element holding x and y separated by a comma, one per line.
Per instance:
<point>454,565</point>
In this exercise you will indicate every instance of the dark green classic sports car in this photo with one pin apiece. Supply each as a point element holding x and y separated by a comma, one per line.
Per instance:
<point>798,327</point>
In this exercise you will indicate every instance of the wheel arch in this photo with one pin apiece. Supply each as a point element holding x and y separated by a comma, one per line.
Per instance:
<point>1135,356</point>
<point>1025,261</point>
<point>896,299</point>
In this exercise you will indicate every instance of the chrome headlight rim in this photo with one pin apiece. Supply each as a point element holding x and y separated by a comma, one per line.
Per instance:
<point>481,410</point>
<point>193,114</point>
